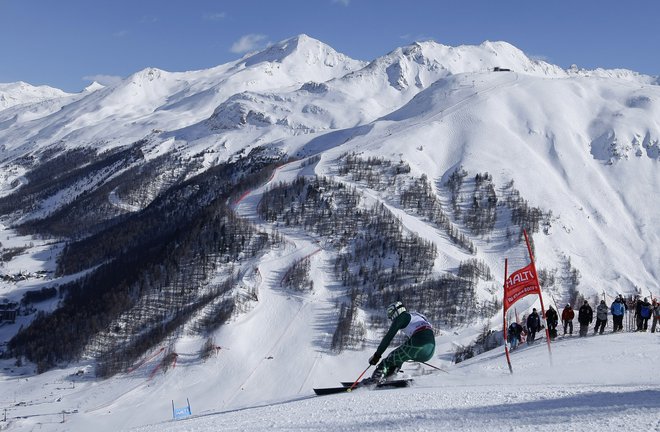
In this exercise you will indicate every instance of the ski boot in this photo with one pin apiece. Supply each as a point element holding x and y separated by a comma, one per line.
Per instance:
<point>376,378</point>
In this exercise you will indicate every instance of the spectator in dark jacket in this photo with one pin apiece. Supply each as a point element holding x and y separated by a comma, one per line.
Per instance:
<point>585,317</point>
<point>514,334</point>
<point>656,314</point>
<point>533,325</point>
<point>552,318</point>
<point>567,316</point>
<point>638,313</point>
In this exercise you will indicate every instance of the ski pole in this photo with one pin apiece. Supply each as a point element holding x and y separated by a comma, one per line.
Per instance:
<point>358,380</point>
<point>434,367</point>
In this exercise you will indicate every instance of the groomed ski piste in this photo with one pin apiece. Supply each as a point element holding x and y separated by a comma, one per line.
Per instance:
<point>603,383</point>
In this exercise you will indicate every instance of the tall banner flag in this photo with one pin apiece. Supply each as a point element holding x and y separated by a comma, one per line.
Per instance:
<point>519,284</point>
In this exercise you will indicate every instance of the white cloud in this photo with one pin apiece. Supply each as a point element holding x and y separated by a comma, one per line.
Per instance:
<point>214,16</point>
<point>106,80</point>
<point>149,19</point>
<point>249,42</point>
<point>344,2</point>
<point>120,33</point>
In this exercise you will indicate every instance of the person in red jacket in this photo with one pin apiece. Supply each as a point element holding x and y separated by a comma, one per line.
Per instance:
<point>567,316</point>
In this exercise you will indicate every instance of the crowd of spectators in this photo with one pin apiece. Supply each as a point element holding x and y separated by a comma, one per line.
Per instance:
<point>639,311</point>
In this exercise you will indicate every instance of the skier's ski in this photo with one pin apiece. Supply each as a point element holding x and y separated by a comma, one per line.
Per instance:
<point>400,382</point>
<point>330,390</point>
<point>346,386</point>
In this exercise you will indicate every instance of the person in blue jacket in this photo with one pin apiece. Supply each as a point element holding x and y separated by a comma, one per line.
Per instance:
<point>618,309</point>
<point>645,311</point>
<point>419,346</point>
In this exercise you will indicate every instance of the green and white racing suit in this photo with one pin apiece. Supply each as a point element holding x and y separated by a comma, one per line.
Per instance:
<point>419,346</point>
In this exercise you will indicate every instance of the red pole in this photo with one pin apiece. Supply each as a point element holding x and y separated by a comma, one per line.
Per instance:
<point>504,326</point>
<point>531,257</point>
<point>358,380</point>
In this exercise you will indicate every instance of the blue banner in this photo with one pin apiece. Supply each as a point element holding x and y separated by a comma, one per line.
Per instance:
<point>183,412</point>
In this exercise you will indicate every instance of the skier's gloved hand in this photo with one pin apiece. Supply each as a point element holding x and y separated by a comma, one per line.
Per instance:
<point>374,359</point>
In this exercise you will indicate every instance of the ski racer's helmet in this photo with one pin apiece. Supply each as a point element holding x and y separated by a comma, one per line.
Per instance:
<point>395,309</point>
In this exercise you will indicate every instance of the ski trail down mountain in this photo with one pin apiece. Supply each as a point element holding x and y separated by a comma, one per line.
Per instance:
<point>292,324</point>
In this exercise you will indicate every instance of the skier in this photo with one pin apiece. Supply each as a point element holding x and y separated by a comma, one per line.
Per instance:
<point>585,317</point>
<point>552,319</point>
<point>601,317</point>
<point>533,325</point>
<point>514,333</point>
<point>618,309</point>
<point>567,316</point>
<point>419,346</point>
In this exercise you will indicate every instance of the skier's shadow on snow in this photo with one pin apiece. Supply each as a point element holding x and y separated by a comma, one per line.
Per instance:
<point>603,405</point>
<point>596,403</point>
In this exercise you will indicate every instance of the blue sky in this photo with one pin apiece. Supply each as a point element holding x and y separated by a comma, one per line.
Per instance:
<point>67,43</point>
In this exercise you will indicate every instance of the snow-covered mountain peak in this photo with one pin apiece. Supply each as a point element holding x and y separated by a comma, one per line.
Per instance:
<point>149,74</point>
<point>93,87</point>
<point>303,49</point>
<point>20,92</point>
<point>421,63</point>
<point>489,55</point>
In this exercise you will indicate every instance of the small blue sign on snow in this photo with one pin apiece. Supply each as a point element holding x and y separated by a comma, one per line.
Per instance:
<point>180,413</point>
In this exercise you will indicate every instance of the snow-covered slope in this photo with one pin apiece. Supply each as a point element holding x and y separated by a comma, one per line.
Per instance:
<point>586,149</point>
<point>601,382</point>
<point>583,145</point>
